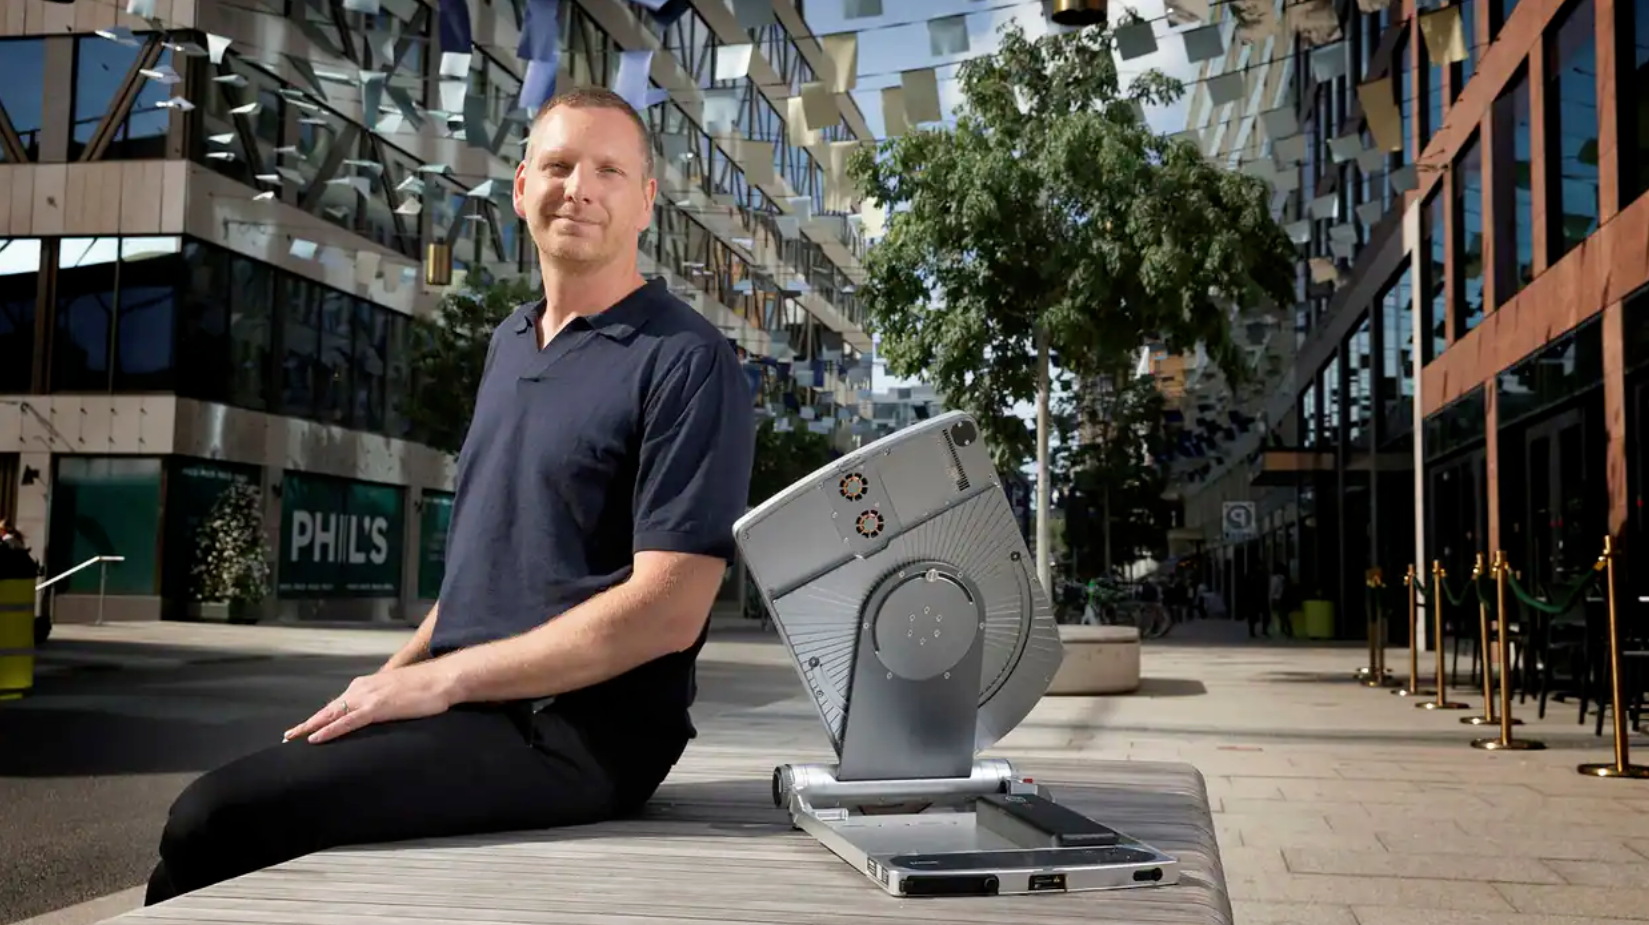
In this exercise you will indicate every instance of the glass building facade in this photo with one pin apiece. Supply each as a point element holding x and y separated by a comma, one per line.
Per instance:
<point>184,304</point>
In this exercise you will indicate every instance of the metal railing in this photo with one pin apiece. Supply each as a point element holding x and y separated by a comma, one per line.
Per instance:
<point>102,579</point>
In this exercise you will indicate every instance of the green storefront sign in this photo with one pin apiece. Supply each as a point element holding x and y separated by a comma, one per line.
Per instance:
<point>339,538</point>
<point>432,543</point>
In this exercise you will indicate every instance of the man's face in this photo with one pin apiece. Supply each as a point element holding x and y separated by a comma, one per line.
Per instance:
<point>584,188</point>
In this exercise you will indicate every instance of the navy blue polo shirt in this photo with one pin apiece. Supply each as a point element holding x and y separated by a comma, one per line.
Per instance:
<point>631,430</point>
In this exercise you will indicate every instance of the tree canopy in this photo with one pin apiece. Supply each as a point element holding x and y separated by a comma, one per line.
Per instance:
<point>1052,203</point>
<point>1109,487</point>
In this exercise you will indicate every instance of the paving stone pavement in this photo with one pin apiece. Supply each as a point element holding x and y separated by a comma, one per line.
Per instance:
<point>1336,804</point>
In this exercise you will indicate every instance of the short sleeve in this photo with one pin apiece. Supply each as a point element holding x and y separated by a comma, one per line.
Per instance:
<point>698,444</point>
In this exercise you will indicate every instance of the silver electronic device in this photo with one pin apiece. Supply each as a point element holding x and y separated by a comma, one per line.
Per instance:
<point>899,580</point>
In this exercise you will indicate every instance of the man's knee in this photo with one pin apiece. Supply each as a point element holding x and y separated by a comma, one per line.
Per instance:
<point>224,824</point>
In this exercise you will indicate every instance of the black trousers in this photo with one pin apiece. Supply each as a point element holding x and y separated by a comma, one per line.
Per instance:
<point>472,770</point>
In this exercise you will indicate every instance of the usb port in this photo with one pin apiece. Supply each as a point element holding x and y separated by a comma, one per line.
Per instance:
<point>1042,882</point>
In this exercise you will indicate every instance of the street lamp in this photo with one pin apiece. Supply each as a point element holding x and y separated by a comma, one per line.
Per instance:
<point>1079,12</point>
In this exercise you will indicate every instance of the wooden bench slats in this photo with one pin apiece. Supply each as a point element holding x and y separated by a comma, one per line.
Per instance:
<point>711,847</point>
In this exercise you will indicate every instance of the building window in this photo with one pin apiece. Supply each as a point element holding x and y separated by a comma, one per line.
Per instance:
<point>1513,195</point>
<point>101,66</point>
<point>86,274</point>
<point>1400,82</point>
<point>301,343</point>
<point>1571,129</point>
<point>1462,71</point>
<point>1499,12</point>
<point>1308,416</point>
<point>150,269</point>
<point>251,332</point>
<point>1468,237</point>
<point>1359,384</point>
<point>1632,40</point>
<point>1433,279</point>
<point>1331,401</point>
<point>203,323</point>
<point>1396,392</point>
<point>1431,74</point>
<point>19,297</point>
<point>22,92</point>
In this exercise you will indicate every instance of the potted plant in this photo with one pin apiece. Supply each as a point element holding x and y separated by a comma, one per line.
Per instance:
<point>231,556</point>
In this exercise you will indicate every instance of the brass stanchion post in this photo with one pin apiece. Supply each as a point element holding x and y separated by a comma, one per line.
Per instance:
<point>1377,675</point>
<point>1502,653</point>
<point>1442,702</point>
<point>1622,766</point>
<point>1483,642</point>
<point>1413,688</point>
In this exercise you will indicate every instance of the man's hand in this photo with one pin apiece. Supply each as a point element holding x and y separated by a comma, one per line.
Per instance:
<point>392,694</point>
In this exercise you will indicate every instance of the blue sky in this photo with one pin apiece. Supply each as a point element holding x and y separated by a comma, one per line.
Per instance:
<point>898,40</point>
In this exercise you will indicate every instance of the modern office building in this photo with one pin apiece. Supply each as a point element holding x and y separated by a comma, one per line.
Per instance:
<point>1472,317</point>
<point>219,220</point>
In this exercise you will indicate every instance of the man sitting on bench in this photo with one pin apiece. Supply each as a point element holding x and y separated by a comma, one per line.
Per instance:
<point>608,458</point>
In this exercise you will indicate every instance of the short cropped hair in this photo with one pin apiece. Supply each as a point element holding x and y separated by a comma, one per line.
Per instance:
<point>598,98</point>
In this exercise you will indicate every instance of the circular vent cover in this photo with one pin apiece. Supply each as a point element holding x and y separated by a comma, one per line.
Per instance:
<point>869,524</point>
<point>853,486</point>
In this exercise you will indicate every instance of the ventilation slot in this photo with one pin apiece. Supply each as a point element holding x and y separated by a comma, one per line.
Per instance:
<point>955,463</point>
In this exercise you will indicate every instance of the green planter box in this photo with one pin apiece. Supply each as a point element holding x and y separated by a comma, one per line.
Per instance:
<point>1315,620</point>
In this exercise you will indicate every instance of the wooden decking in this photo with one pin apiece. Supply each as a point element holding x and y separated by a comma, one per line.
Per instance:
<point>712,848</point>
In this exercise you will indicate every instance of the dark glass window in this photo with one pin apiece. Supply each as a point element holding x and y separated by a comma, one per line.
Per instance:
<point>1359,384</point>
<point>1499,12</point>
<point>1308,416</point>
<point>1632,96</point>
<point>1396,398</point>
<point>398,379</point>
<point>1468,237</point>
<point>301,342</point>
<point>1432,75</point>
<point>142,136</point>
<point>251,309</point>
<point>1513,195</point>
<point>1400,85</point>
<point>150,269</point>
<point>1463,70</point>
<point>1433,279</point>
<point>332,385</point>
<point>22,90</point>
<point>203,323</point>
<point>19,292</point>
<point>85,314</point>
<point>99,68</point>
<point>1571,129</point>
<point>1331,401</point>
<point>368,372</point>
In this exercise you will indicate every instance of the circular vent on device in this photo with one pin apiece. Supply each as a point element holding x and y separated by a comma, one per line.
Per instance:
<point>853,486</point>
<point>869,524</point>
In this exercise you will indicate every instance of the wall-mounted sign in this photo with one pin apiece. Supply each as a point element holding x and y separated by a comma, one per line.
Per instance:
<point>339,538</point>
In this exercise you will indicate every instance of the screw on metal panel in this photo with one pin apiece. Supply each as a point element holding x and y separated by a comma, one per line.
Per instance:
<point>981,624</point>
<point>1014,556</point>
<point>834,515</point>
<point>890,676</point>
<point>947,676</point>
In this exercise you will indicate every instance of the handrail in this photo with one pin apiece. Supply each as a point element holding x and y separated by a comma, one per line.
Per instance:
<point>89,562</point>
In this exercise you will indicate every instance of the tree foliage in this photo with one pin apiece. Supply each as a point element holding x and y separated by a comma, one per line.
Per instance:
<point>450,353</point>
<point>1109,477</point>
<point>784,457</point>
<point>1052,203</point>
<point>231,554</point>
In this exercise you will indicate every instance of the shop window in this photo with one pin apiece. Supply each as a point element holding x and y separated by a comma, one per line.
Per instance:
<point>1571,129</point>
<point>1468,237</point>
<point>86,279</point>
<point>1514,200</point>
<point>106,506</point>
<point>22,91</point>
<point>150,269</point>
<point>19,295</point>
<point>339,538</point>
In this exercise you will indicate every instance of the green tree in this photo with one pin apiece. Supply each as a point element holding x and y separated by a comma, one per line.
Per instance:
<point>1110,488</point>
<point>783,457</point>
<point>450,353</point>
<point>1051,220</point>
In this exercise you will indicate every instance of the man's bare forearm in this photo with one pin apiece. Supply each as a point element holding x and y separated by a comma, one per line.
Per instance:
<point>621,628</point>
<point>417,648</point>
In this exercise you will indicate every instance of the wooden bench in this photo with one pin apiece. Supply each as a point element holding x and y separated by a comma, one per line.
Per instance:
<point>711,848</point>
<point>1098,660</point>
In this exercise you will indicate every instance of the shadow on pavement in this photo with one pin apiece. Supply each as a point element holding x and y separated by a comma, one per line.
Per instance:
<point>1169,687</point>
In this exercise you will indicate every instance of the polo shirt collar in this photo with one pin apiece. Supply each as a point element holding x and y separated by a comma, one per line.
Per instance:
<point>629,315</point>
